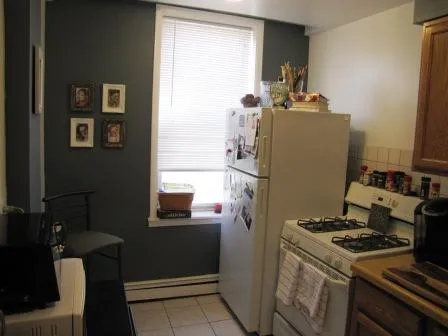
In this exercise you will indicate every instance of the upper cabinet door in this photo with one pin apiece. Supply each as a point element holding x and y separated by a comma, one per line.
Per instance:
<point>428,10</point>
<point>431,135</point>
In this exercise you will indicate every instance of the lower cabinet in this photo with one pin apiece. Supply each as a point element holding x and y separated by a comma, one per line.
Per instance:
<point>365,326</point>
<point>436,330</point>
<point>377,313</point>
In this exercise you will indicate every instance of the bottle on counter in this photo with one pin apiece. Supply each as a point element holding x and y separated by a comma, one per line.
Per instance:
<point>361,175</point>
<point>407,183</point>
<point>435,190</point>
<point>424,187</point>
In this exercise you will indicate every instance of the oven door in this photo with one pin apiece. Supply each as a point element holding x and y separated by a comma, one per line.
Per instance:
<point>338,299</point>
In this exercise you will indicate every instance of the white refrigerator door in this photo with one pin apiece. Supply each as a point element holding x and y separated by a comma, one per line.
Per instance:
<point>248,140</point>
<point>243,231</point>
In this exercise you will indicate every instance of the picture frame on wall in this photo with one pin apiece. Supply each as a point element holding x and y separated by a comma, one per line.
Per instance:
<point>38,80</point>
<point>113,134</point>
<point>81,132</point>
<point>114,98</point>
<point>82,96</point>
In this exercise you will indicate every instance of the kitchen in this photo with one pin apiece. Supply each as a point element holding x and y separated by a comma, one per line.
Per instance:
<point>381,98</point>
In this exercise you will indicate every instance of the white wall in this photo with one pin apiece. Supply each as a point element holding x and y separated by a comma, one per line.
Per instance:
<point>2,111</point>
<point>370,69</point>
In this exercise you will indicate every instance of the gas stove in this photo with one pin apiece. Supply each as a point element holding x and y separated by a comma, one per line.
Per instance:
<point>340,241</point>
<point>330,224</point>
<point>370,242</point>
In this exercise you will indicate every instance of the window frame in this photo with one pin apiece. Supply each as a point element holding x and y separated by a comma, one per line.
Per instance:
<point>163,11</point>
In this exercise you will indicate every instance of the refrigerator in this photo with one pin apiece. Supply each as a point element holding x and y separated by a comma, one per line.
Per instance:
<point>280,164</point>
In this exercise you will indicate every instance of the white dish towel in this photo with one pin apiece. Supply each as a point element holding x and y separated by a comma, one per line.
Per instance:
<point>312,295</point>
<point>288,278</point>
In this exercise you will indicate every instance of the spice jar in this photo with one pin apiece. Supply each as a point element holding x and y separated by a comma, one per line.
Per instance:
<point>399,178</point>
<point>435,190</point>
<point>381,183</point>
<point>367,178</point>
<point>390,179</point>
<point>375,176</point>
<point>361,175</point>
<point>424,187</point>
<point>407,184</point>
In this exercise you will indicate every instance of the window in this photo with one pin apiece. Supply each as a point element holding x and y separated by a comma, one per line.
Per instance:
<point>204,63</point>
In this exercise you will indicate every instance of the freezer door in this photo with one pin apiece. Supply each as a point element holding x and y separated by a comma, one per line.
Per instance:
<point>242,245</point>
<point>248,140</point>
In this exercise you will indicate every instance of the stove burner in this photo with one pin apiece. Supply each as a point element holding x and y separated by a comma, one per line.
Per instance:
<point>330,224</point>
<point>370,242</point>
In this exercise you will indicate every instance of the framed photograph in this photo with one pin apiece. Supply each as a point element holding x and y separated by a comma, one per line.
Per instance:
<point>114,97</point>
<point>81,132</point>
<point>38,80</point>
<point>81,97</point>
<point>113,133</point>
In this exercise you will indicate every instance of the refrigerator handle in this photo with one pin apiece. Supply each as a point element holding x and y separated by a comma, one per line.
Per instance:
<point>264,144</point>
<point>261,200</point>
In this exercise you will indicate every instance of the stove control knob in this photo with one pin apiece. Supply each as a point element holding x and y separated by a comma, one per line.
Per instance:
<point>338,263</point>
<point>328,259</point>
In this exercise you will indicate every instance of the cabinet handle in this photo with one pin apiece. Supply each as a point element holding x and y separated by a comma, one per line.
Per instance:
<point>264,144</point>
<point>379,310</point>
<point>371,325</point>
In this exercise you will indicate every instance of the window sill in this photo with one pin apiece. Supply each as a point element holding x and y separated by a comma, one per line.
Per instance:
<point>197,218</point>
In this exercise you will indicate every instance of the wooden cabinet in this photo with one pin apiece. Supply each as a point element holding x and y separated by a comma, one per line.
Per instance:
<point>431,135</point>
<point>364,326</point>
<point>377,313</point>
<point>427,10</point>
<point>436,330</point>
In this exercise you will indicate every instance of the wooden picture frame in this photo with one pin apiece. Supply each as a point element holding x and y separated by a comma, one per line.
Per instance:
<point>113,134</point>
<point>82,132</point>
<point>82,96</point>
<point>114,98</point>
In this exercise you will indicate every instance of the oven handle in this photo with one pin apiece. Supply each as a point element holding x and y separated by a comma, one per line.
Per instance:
<point>331,274</point>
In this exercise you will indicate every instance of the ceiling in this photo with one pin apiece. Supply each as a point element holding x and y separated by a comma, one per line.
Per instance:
<point>316,15</point>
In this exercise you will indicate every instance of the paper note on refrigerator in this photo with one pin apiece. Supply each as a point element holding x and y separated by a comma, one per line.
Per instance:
<point>251,129</point>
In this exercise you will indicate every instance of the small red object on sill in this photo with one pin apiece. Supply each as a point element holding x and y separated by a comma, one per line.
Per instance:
<point>217,208</point>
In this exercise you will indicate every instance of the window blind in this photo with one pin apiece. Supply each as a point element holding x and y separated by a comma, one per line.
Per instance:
<point>205,69</point>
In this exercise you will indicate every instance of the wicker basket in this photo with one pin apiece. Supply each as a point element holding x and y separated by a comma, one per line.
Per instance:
<point>176,197</point>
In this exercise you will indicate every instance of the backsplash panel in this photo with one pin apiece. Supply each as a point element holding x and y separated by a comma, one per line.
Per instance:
<point>382,159</point>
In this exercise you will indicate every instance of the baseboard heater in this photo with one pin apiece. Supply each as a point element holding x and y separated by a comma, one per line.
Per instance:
<point>170,288</point>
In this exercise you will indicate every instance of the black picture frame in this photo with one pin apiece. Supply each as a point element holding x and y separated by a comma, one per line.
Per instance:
<point>113,133</point>
<point>82,96</point>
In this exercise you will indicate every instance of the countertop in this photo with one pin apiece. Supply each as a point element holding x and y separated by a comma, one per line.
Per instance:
<point>371,270</point>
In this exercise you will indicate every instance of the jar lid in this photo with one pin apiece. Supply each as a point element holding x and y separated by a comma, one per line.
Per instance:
<point>436,184</point>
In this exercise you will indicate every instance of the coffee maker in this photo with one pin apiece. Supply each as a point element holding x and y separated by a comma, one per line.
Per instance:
<point>431,232</point>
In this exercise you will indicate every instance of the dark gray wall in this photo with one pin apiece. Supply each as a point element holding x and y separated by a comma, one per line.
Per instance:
<point>23,146</point>
<point>427,10</point>
<point>283,42</point>
<point>113,42</point>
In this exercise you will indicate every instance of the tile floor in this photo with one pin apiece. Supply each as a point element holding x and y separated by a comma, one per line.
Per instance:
<point>194,316</point>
